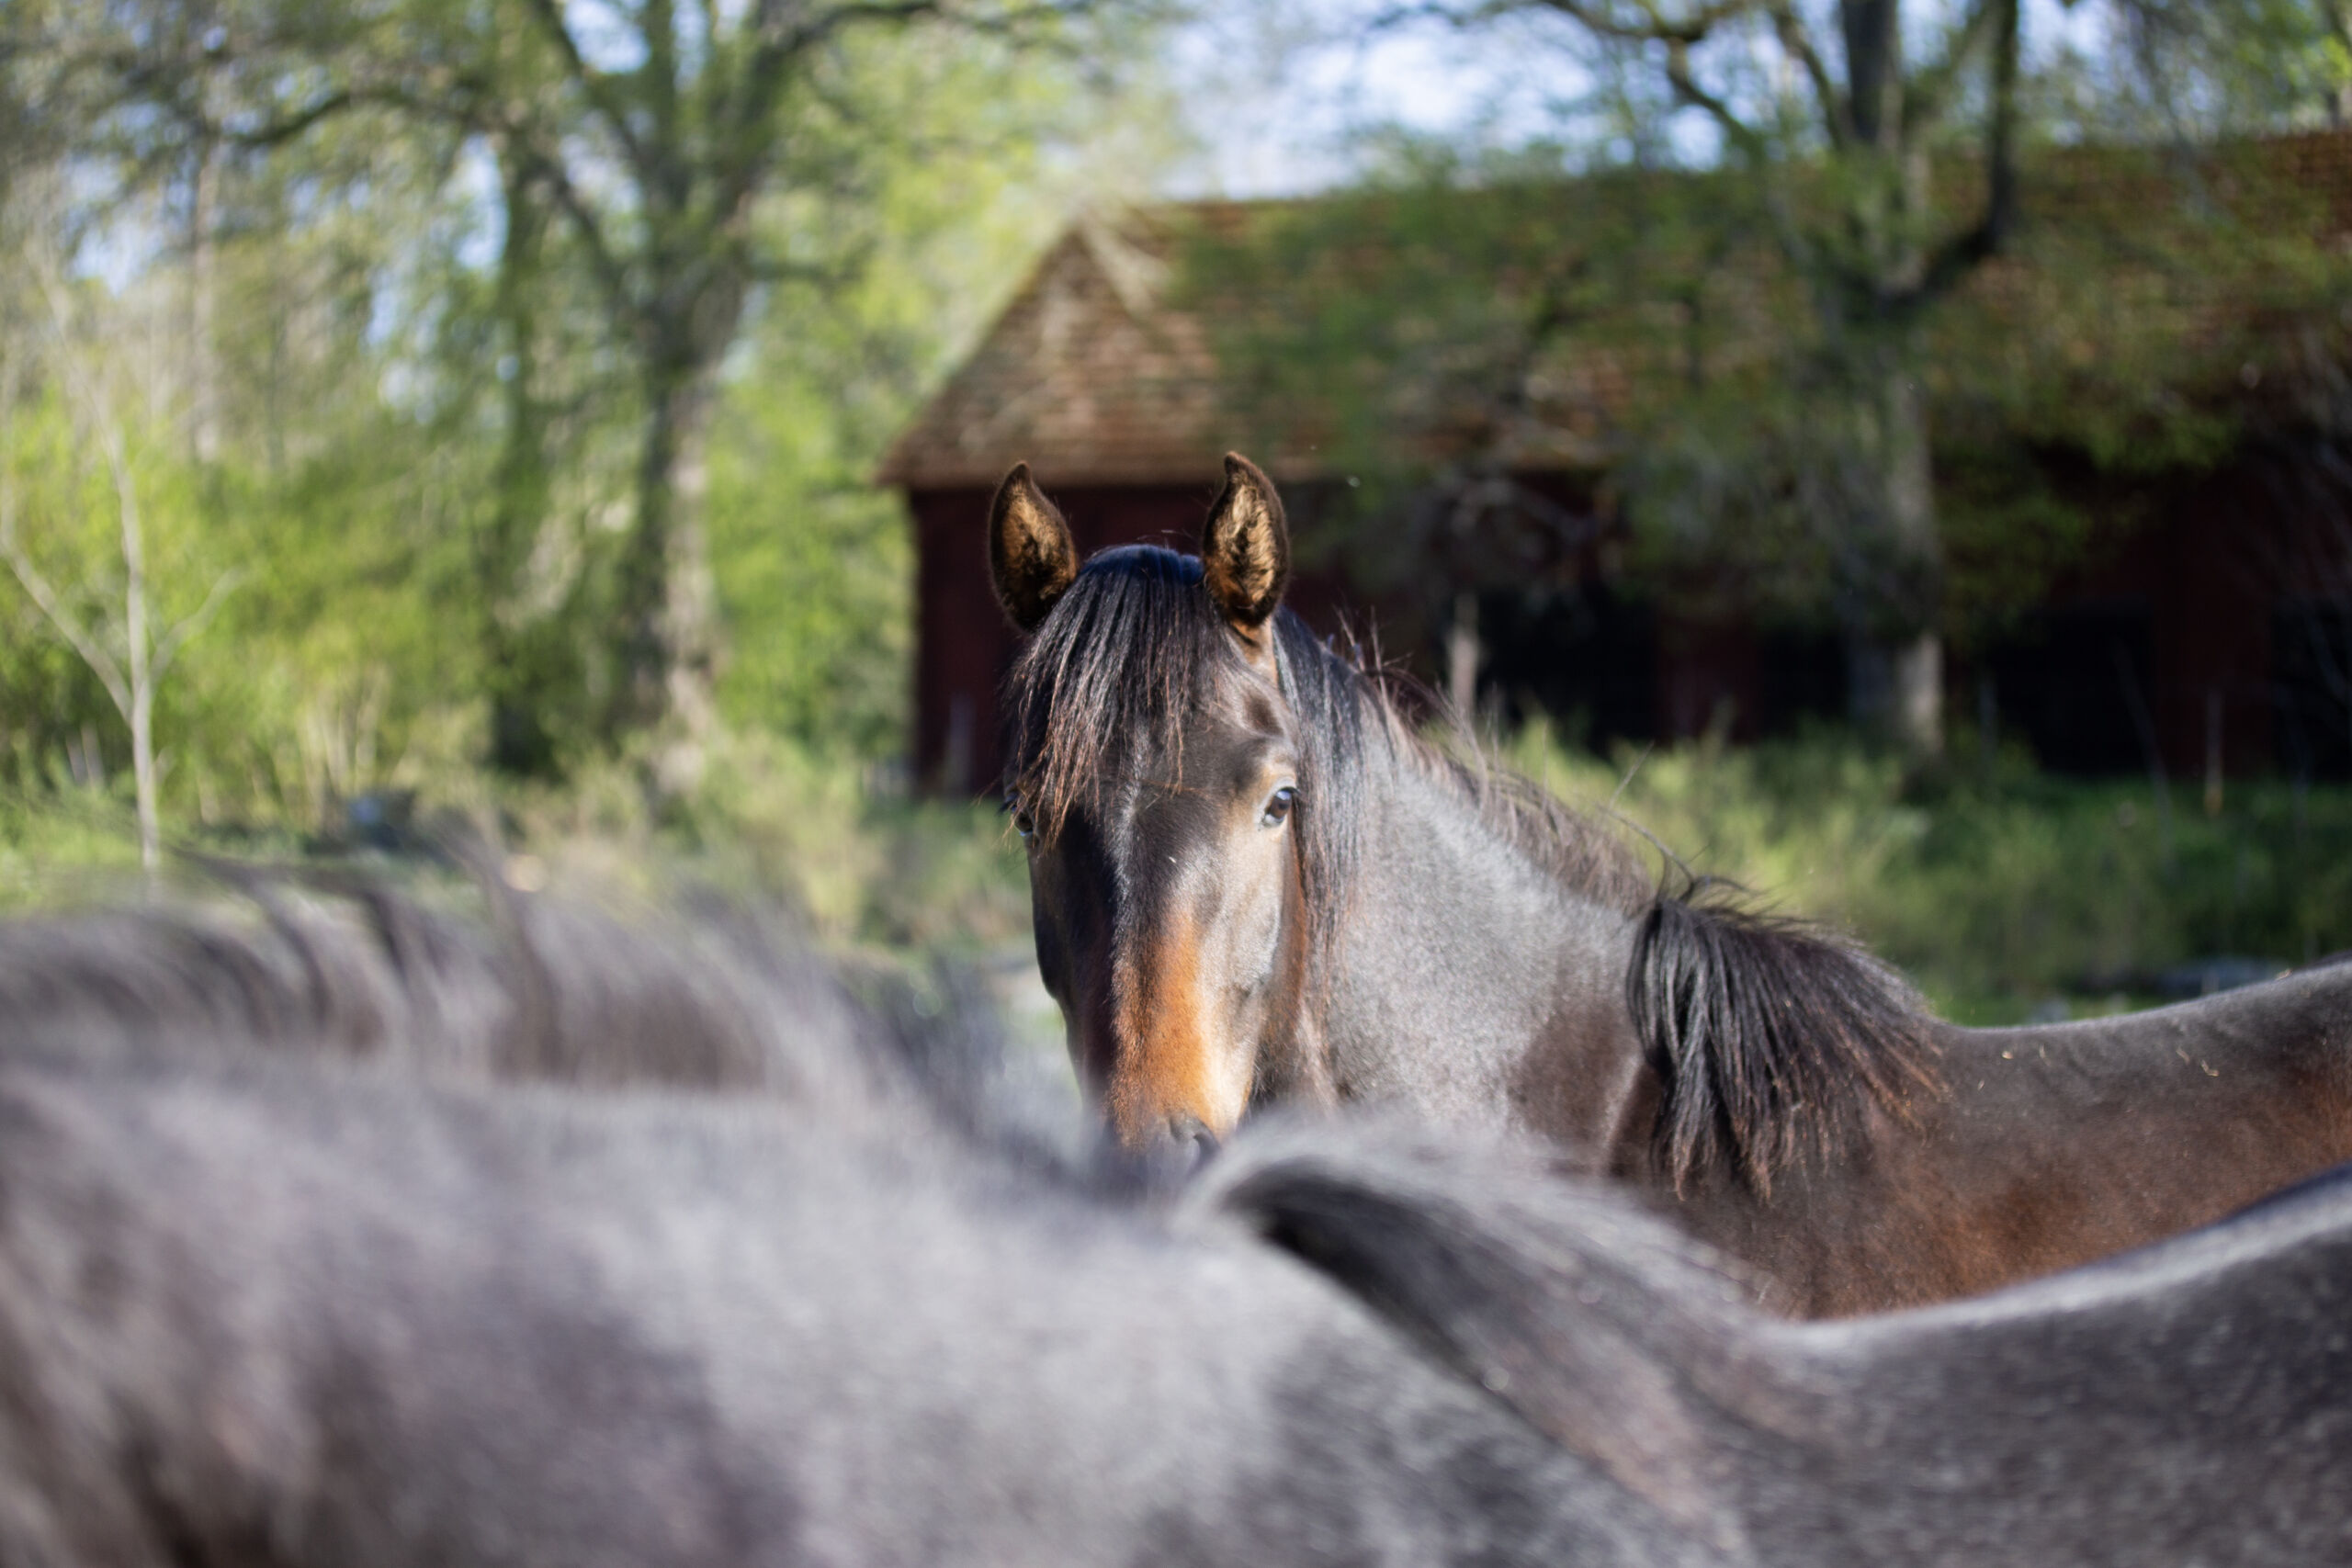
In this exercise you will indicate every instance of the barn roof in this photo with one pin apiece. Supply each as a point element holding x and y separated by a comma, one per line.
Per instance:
<point>1091,372</point>
<point>1104,369</point>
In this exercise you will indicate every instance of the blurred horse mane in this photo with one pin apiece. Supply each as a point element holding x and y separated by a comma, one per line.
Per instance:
<point>285,1275</point>
<point>714,996</point>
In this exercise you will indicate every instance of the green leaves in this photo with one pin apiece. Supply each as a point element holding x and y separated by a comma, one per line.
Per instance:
<point>344,243</point>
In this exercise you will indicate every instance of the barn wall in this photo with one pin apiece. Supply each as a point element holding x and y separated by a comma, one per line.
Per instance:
<point>2192,600</point>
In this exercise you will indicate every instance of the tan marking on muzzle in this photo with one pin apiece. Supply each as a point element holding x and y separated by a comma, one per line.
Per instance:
<point>1161,1065</point>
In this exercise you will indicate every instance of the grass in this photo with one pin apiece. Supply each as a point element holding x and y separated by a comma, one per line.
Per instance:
<point>2004,891</point>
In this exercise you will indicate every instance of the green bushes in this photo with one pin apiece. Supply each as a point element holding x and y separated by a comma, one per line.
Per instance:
<point>1999,890</point>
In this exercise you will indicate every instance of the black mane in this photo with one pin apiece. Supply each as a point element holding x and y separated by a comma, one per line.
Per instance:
<point>1771,1036</point>
<point>709,996</point>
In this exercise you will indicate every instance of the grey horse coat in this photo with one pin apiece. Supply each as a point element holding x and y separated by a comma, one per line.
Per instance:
<point>258,1308</point>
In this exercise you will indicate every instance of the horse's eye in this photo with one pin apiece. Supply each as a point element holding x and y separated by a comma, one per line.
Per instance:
<point>1022,823</point>
<point>1278,807</point>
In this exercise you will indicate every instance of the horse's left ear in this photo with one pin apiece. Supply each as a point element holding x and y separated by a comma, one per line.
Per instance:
<point>1032,557</point>
<point>1245,548</point>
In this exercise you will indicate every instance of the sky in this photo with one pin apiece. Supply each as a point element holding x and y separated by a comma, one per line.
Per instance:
<point>1276,96</point>
<point>1277,90</point>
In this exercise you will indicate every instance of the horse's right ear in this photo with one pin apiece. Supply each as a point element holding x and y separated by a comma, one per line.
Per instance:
<point>1245,548</point>
<point>1031,556</point>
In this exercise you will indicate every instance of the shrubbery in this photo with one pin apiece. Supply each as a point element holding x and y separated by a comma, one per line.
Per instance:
<point>1997,887</point>
<point>2001,891</point>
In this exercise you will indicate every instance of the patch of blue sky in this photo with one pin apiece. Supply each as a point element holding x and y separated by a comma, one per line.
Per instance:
<point>1293,99</point>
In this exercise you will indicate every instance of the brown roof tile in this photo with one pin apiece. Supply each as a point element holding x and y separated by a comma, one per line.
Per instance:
<point>1089,374</point>
<point>1097,375</point>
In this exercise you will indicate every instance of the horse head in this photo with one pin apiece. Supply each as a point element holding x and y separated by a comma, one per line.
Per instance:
<point>1159,780</point>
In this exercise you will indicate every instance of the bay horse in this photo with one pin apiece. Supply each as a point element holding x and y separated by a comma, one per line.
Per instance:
<point>1254,882</point>
<point>277,1306</point>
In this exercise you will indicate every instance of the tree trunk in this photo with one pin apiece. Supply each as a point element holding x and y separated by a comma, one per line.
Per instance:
<point>521,741</point>
<point>1894,654</point>
<point>1874,37</point>
<point>1918,713</point>
<point>1462,660</point>
<point>1919,693</point>
<point>143,772</point>
<point>2339,30</point>
<point>1897,654</point>
<point>203,371</point>
<point>140,709</point>
<point>668,634</point>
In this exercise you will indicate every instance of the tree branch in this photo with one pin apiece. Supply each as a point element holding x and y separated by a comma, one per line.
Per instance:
<point>36,585</point>
<point>612,277</point>
<point>77,638</point>
<point>1931,88</point>
<point>1686,86</point>
<point>1960,255</point>
<point>593,84</point>
<point>192,625</point>
<point>271,133</point>
<point>1837,115</point>
<point>1652,27</point>
<point>777,42</point>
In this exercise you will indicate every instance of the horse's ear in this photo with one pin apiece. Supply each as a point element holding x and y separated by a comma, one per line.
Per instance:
<point>1031,556</point>
<point>1246,545</point>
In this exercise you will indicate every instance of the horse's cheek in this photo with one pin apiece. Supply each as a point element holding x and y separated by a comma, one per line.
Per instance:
<point>1251,970</point>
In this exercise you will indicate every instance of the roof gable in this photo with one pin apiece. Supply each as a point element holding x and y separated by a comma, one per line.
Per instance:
<point>1090,374</point>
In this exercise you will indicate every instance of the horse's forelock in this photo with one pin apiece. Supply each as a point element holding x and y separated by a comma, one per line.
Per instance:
<point>1326,693</point>
<point>1105,686</point>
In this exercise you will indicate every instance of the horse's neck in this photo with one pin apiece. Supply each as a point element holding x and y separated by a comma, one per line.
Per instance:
<point>1470,984</point>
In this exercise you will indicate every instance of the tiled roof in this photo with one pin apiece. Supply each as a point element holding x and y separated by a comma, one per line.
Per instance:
<point>1099,376</point>
<point>1089,374</point>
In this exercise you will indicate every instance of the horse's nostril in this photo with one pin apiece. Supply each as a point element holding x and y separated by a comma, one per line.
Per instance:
<point>1192,1135</point>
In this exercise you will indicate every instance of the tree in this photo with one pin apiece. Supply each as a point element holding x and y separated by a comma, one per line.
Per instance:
<point>1746,327</point>
<point>1847,124</point>
<point>687,153</point>
<point>131,659</point>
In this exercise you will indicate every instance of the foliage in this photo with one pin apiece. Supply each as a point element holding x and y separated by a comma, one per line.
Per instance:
<point>564,229</point>
<point>1464,322</point>
<point>814,567</point>
<point>1997,886</point>
<point>1780,275</point>
<point>379,379</point>
<point>2002,889</point>
<point>2208,67</point>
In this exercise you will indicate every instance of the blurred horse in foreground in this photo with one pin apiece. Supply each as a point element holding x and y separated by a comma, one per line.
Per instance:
<point>1254,883</point>
<point>279,1305</point>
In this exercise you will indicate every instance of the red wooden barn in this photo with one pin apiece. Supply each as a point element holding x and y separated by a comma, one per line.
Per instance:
<point>2209,623</point>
